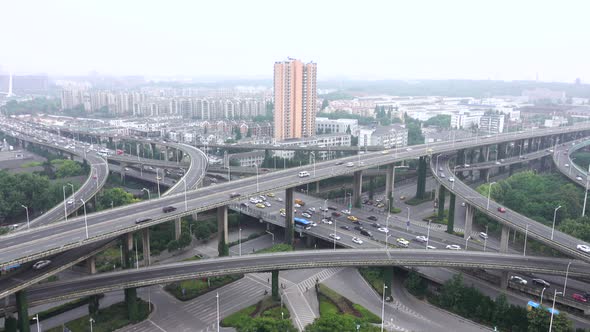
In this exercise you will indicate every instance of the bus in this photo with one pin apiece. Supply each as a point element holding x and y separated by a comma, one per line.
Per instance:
<point>303,223</point>
<point>534,305</point>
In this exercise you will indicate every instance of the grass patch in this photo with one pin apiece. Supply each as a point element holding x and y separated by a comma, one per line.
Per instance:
<point>266,315</point>
<point>374,277</point>
<point>189,289</point>
<point>194,258</point>
<point>395,210</point>
<point>334,303</point>
<point>109,259</point>
<point>434,218</point>
<point>62,308</point>
<point>107,320</point>
<point>31,164</point>
<point>281,247</point>
<point>417,201</point>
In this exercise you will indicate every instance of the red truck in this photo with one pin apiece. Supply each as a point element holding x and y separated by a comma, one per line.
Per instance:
<point>119,152</point>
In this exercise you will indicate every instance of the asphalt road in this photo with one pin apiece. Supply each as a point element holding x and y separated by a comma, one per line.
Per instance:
<point>33,244</point>
<point>562,158</point>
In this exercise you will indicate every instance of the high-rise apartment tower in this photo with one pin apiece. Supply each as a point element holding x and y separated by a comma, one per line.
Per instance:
<point>295,99</point>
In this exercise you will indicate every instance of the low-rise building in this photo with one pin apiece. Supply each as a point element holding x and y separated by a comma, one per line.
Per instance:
<point>492,123</point>
<point>466,119</point>
<point>387,136</point>
<point>337,126</point>
<point>319,140</point>
<point>248,159</point>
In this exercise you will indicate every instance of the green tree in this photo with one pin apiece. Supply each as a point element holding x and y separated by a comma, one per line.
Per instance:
<point>202,231</point>
<point>116,196</point>
<point>325,103</point>
<point>539,321</point>
<point>441,120</point>
<point>336,323</point>
<point>68,168</point>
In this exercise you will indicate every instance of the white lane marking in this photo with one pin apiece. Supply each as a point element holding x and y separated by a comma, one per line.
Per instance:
<point>156,325</point>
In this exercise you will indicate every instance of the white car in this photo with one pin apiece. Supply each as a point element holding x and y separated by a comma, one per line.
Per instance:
<point>278,199</point>
<point>346,212</point>
<point>402,242</point>
<point>579,178</point>
<point>498,163</point>
<point>453,247</point>
<point>451,179</point>
<point>442,175</point>
<point>267,204</point>
<point>421,238</point>
<point>409,149</point>
<point>567,165</point>
<point>297,205</point>
<point>312,209</point>
<point>303,174</point>
<point>357,240</point>
<point>430,247</point>
<point>41,264</point>
<point>583,247</point>
<point>283,214</point>
<point>70,201</point>
<point>334,236</point>
<point>306,215</point>
<point>518,280</point>
<point>383,230</point>
<point>326,221</point>
<point>349,164</point>
<point>483,235</point>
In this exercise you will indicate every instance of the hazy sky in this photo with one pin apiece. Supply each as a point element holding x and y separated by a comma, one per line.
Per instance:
<point>474,39</point>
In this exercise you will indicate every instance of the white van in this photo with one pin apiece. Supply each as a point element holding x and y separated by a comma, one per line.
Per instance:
<point>303,174</point>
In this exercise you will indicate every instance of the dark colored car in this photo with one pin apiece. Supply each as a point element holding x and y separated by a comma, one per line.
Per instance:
<point>167,209</point>
<point>541,282</point>
<point>372,218</point>
<point>358,228</point>
<point>332,208</point>
<point>336,214</point>
<point>366,233</point>
<point>234,195</point>
<point>376,225</point>
<point>345,227</point>
<point>142,220</point>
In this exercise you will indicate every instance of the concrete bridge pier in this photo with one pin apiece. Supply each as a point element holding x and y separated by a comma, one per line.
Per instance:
<point>145,240</point>
<point>130,293</point>
<point>357,188</point>
<point>504,239</point>
<point>451,217</point>
<point>91,265</point>
<point>469,213</point>
<point>388,280</point>
<point>178,227</point>
<point>275,285</point>
<point>289,224</point>
<point>222,234</point>
<point>441,202</point>
<point>167,154</point>
<point>123,165</point>
<point>421,185</point>
<point>504,280</point>
<point>22,308</point>
<point>93,303</point>
<point>389,182</point>
<point>10,322</point>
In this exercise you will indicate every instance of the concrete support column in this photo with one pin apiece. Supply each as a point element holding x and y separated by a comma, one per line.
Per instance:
<point>371,187</point>
<point>357,188</point>
<point>10,322</point>
<point>504,280</point>
<point>145,240</point>
<point>504,239</point>
<point>388,279</point>
<point>451,218</point>
<point>137,148</point>
<point>110,141</point>
<point>317,187</point>
<point>22,308</point>
<point>310,242</point>
<point>289,224</point>
<point>389,181</point>
<point>177,228</point>
<point>91,265</point>
<point>127,248</point>
<point>421,186</point>
<point>469,213</point>
<point>167,154</point>
<point>222,236</point>
<point>275,285</point>
<point>441,202</point>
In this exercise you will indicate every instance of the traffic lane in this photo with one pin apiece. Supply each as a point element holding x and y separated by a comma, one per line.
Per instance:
<point>304,259</point>
<point>377,158</point>
<point>534,227</point>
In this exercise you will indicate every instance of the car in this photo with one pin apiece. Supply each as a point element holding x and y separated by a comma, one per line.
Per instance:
<point>347,212</point>
<point>234,195</point>
<point>380,205</point>
<point>345,227</point>
<point>518,280</point>
<point>384,152</point>
<point>260,206</point>
<point>41,264</point>
<point>583,247</point>
<point>297,205</point>
<point>352,218</point>
<point>327,221</point>
<point>451,179</point>
<point>501,209</point>
<point>453,247</point>
<point>336,214</point>
<point>579,178</point>
<point>366,233</point>
<point>442,175</point>
<point>440,169</point>
<point>409,149</point>
<point>70,201</point>
<point>312,209</point>
<point>313,223</point>
<point>334,236</point>
<point>171,208</point>
<point>283,214</point>
<point>430,247</point>
<point>498,163</point>
<point>244,204</point>
<point>262,197</point>
<point>282,210</point>
<point>349,164</point>
<point>579,297</point>
<point>421,238</point>
<point>463,204</point>
<point>306,215</point>
<point>376,225</point>
<point>323,209</point>
<point>402,197</point>
<point>358,228</point>
<point>332,208</point>
<point>270,194</point>
<point>383,230</point>
<point>340,162</point>
<point>303,174</point>
<point>253,200</point>
<point>541,282</point>
<point>357,240</point>
<point>466,165</point>
<point>402,242</point>
<point>483,235</point>
<point>372,218</point>
<point>267,204</point>
<point>278,199</point>
<point>142,220</point>
<point>94,176</point>
<point>566,165</point>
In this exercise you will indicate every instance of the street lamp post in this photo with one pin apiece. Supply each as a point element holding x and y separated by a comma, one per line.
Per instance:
<point>554,215</point>
<point>585,195</point>
<point>91,321</point>
<point>185,203</point>
<point>36,318</point>
<point>335,234</point>
<point>383,308</point>
<point>85,219</point>
<point>65,203</point>
<point>489,194</point>
<point>467,241</point>
<point>543,291</point>
<point>257,187</point>
<point>217,297</point>
<point>148,192</point>
<point>158,180</point>
<point>567,270</point>
<point>428,234</point>
<point>240,241</point>
<point>387,227</point>
<point>485,240</point>
<point>555,292</point>
<point>27,210</point>
<point>526,234</point>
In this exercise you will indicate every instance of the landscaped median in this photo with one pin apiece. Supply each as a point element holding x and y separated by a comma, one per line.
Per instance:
<point>266,315</point>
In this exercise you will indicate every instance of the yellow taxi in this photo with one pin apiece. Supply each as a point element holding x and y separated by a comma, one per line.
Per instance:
<point>270,194</point>
<point>260,205</point>
<point>352,218</point>
<point>282,210</point>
